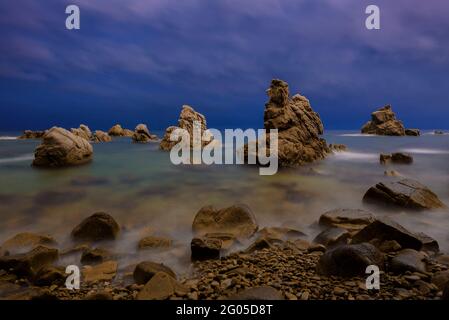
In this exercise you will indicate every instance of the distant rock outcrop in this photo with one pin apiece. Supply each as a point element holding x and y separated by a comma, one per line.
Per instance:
<point>142,134</point>
<point>299,127</point>
<point>186,118</point>
<point>62,148</point>
<point>118,131</point>
<point>101,136</point>
<point>383,122</point>
<point>83,131</point>
<point>29,134</point>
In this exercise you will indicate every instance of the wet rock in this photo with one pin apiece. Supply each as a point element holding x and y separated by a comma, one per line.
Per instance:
<point>412,132</point>
<point>408,260</point>
<point>49,275</point>
<point>384,122</point>
<point>349,260</point>
<point>97,227</point>
<point>237,220</point>
<point>116,131</point>
<point>29,134</point>
<point>105,271</point>
<point>28,264</point>
<point>101,136</point>
<point>61,148</point>
<point>153,242</point>
<point>146,270</point>
<point>258,293</point>
<point>205,248</point>
<point>299,127</point>
<point>260,244</point>
<point>186,118</point>
<point>406,193</point>
<point>302,244</point>
<point>161,286</point>
<point>337,147</point>
<point>83,131</point>
<point>397,158</point>
<point>385,229</point>
<point>142,134</point>
<point>95,256</point>
<point>281,233</point>
<point>349,219</point>
<point>25,241</point>
<point>332,236</point>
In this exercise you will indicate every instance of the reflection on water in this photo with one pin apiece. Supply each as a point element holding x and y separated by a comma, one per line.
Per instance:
<point>138,185</point>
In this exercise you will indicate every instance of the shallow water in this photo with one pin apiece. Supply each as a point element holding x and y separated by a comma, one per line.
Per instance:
<point>138,185</point>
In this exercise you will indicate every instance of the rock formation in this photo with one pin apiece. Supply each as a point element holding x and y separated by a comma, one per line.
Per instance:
<point>101,136</point>
<point>142,134</point>
<point>83,131</point>
<point>62,148</point>
<point>97,227</point>
<point>28,134</point>
<point>118,131</point>
<point>186,118</point>
<point>383,122</point>
<point>299,127</point>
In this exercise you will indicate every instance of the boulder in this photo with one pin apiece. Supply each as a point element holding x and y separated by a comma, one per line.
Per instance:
<point>349,219</point>
<point>97,227</point>
<point>257,293</point>
<point>186,119</point>
<point>62,148</point>
<point>412,132</point>
<point>49,275</point>
<point>406,193</point>
<point>161,286</point>
<point>116,131</point>
<point>397,158</point>
<point>281,233</point>
<point>101,136</point>
<point>332,237</point>
<point>25,241</point>
<point>237,220</point>
<point>205,248</point>
<point>95,256</point>
<point>105,271</point>
<point>336,147</point>
<point>142,134</point>
<point>408,260</point>
<point>83,131</point>
<point>153,242</point>
<point>28,264</point>
<point>384,122</point>
<point>145,270</point>
<point>384,229</point>
<point>389,246</point>
<point>29,134</point>
<point>349,260</point>
<point>299,127</point>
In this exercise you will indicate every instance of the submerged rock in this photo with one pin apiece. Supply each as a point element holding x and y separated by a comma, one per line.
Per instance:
<point>397,157</point>
<point>101,136</point>
<point>29,134</point>
<point>186,118</point>
<point>299,127</point>
<point>349,260</point>
<point>142,134</point>
<point>406,193</point>
<point>237,220</point>
<point>97,227</point>
<point>384,122</point>
<point>384,229</point>
<point>62,148</point>
<point>412,132</point>
<point>83,131</point>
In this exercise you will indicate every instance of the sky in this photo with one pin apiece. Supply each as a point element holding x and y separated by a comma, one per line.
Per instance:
<point>139,61</point>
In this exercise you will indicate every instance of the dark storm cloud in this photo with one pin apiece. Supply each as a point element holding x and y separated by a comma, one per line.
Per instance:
<point>138,59</point>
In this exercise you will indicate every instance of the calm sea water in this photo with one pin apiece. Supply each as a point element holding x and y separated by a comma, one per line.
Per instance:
<point>138,185</point>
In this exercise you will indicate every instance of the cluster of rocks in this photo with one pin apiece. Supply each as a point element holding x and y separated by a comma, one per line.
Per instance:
<point>29,134</point>
<point>384,122</point>
<point>396,157</point>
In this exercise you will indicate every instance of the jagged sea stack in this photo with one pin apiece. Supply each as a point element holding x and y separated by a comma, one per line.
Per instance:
<point>186,118</point>
<point>299,127</point>
<point>383,122</point>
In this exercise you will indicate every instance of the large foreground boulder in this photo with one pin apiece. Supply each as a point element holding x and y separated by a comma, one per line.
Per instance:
<point>186,120</point>
<point>384,122</point>
<point>62,148</point>
<point>408,194</point>
<point>350,260</point>
<point>97,227</point>
<point>385,229</point>
<point>237,220</point>
<point>299,127</point>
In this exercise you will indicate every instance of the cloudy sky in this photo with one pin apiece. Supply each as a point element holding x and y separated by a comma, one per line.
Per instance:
<point>139,60</point>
